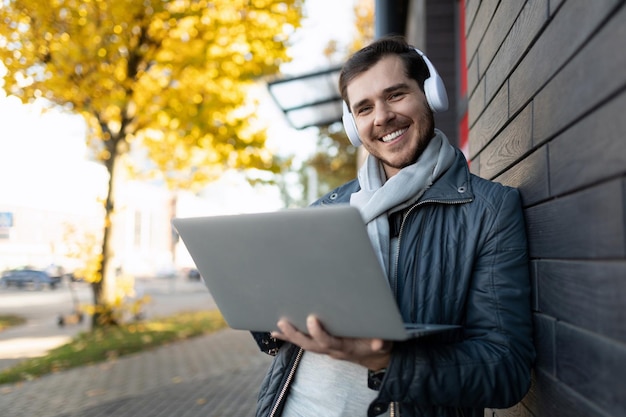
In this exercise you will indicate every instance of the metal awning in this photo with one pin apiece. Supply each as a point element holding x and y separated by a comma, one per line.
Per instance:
<point>310,99</point>
<point>313,99</point>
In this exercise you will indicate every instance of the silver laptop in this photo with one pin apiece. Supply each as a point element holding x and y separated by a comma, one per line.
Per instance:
<point>291,263</point>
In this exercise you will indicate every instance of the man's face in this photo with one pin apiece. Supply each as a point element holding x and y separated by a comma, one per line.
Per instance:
<point>391,114</point>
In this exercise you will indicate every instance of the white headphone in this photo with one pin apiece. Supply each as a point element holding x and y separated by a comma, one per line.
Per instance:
<point>434,90</point>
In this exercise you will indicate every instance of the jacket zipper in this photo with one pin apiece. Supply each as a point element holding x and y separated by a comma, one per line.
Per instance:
<point>406,215</point>
<point>283,391</point>
<point>421,203</point>
<point>394,405</point>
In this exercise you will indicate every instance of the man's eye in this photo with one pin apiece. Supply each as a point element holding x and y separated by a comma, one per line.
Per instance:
<point>363,110</point>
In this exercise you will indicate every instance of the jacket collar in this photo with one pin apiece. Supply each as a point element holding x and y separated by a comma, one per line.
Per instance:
<point>452,187</point>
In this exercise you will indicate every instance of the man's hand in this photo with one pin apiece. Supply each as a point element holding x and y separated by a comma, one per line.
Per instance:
<point>374,354</point>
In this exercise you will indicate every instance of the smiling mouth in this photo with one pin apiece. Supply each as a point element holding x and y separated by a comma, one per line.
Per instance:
<point>393,135</point>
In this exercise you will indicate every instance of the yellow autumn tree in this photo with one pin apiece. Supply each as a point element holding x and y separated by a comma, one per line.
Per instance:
<point>168,75</point>
<point>363,23</point>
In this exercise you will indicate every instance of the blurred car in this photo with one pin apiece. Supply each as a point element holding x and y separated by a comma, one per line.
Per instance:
<point>193,274</point>
<point>29,278</point>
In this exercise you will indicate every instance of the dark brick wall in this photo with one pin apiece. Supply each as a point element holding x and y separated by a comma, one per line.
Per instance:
<point>440,49</point>
<point>547,114</point>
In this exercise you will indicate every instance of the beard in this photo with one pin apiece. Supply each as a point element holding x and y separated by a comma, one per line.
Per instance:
<point>425,125</point>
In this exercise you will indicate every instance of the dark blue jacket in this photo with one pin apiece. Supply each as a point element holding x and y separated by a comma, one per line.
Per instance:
<point>462,260</point>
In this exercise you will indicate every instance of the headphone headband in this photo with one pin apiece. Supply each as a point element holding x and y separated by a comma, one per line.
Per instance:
<point>434,90</point>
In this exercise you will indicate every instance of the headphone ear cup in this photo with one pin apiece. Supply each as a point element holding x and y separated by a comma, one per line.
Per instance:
<point>434,89</point>
<point>436,94</point>
<point>349,126</point>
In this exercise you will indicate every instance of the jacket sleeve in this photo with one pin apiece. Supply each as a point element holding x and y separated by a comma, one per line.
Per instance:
<point>490,366</point>
<point>267,344</point>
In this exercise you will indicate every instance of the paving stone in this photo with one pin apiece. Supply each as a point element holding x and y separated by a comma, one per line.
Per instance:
<point>209,376</point>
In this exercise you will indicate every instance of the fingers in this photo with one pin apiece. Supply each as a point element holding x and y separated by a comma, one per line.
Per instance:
<point>381,346</point>
<point>377,345</point>
<point>362,351</point>
<point>318,339</point>
<point>286,330</point>
<point>319,334</point>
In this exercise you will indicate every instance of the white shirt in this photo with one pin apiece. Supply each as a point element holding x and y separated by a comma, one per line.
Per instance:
<point>327,387</point>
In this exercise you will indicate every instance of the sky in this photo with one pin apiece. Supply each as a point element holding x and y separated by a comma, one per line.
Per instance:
<point>326,20</point>
<point>42,156</point>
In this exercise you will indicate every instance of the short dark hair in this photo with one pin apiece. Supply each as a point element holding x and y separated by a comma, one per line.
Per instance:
<point>367,57</point>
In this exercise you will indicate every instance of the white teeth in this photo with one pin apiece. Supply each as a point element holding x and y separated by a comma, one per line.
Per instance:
<point>393,135</point>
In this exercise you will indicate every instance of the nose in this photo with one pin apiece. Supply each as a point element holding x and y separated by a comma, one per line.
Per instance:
<point>383,114</point>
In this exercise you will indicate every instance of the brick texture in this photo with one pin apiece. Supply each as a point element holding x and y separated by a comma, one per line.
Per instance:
<point>547,92</point>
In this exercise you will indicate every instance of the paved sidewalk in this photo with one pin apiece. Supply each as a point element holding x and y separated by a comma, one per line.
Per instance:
<point>209,376</point>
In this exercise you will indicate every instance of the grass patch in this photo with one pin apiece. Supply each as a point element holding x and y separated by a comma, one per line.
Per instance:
<point>109,343</point>
<point>9,320</point>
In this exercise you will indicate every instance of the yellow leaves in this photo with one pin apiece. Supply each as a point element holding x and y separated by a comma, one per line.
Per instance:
<point>85,249</point>
<point>163,119</point>
<point>178,69</point>
<point>364,12</point>
<point>185,28</point>
<point>174,124</point>
<point>82,10</point>
<point>103,155</point>
<point>197,98</point>
<point>120,71</point>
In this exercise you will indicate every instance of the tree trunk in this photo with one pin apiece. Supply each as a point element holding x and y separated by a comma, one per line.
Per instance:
<point>104,288</point>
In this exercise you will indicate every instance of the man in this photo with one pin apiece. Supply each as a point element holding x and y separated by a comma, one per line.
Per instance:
<point>454,249</point>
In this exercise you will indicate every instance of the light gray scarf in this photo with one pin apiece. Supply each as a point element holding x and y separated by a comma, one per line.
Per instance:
<point>378,196</point>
